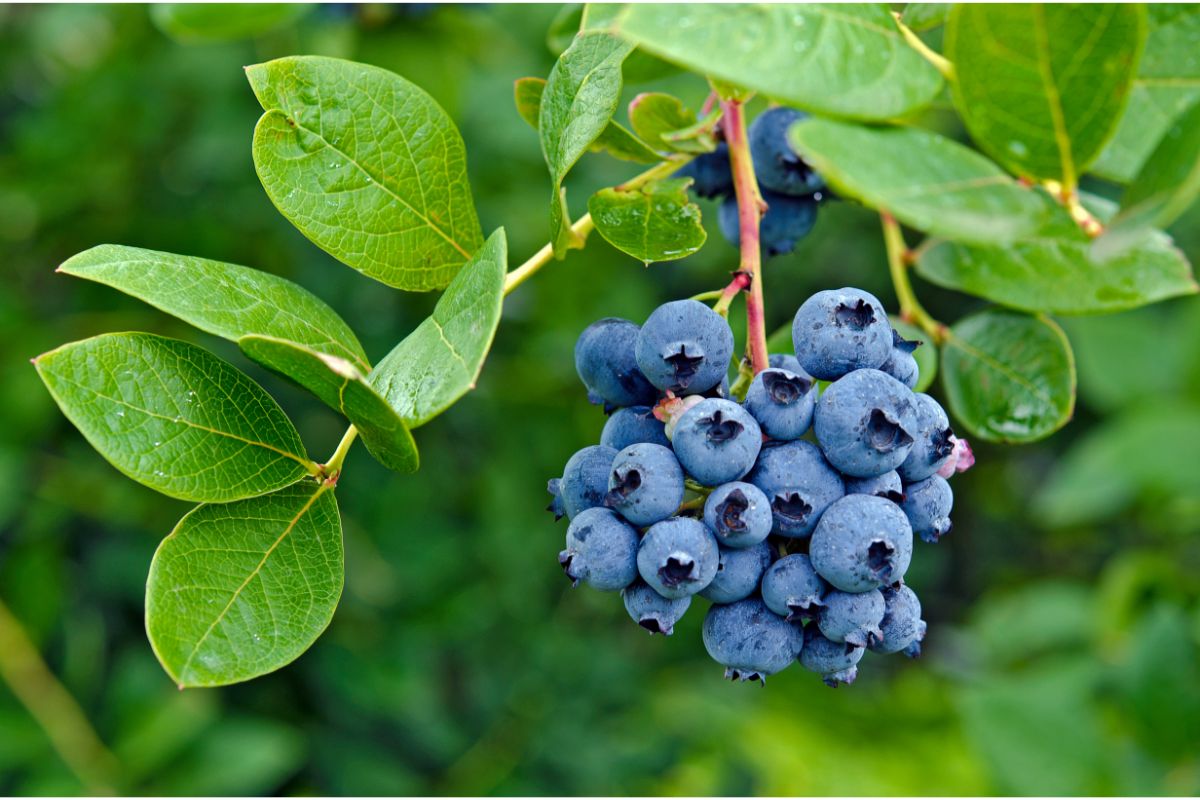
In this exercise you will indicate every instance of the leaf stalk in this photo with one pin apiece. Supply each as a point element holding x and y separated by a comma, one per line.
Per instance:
<point>898,257</point>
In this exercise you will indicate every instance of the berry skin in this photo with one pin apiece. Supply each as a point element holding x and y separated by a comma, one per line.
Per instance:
<point>604,359</point>
<point>862,543</point>
<point>651,610</point>
<point>852,618</point>
<point>749,640</point>
<point>793,589</point>
<point>933,441</point>
<point>888,486</point>
<point>716,441</point>
<point>782,402</point>
<point>785,361</point>
<point>738,573</point>
<point>556,502</point>
<point>866,423</point>
<point>585,480</point>
<point>601,551</point>
<point>838,331</point>
<point>684,347</point>
<point>633,425</point>
<point>739,514</point>
<point>678,557</point>
<point>902,626</point>
<point>787,221</point>
<point>776,165</point>
<point>645,485</point>
<point>711,173</point>
<point>800,484</point>
<point>900,363</point>
<point>927,504</point>
<point>835,662</point>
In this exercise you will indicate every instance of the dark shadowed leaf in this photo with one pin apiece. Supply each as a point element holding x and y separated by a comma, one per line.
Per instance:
<point>213,22</point>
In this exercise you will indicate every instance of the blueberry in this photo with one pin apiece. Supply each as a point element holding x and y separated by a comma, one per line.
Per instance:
<point>866,423</point>
<point>785,361</point>
<point>835,662</point>
<point>793,589</point>
<point>738,573</point>
<point>739,514</point>
<point>887,486</point>
<point>716,441</point>
<point>862,543</point>
<point>900,363</point>
<point>556,502</point>
<point>584,482</point>
<point>782,402</point>
<point>711,173</point>
<point>749,640</point>
<point>852,618</point>
<point>604,359</point>
<point>837,331</point>
<point>633,425</point>
<point>902,626</point>
<point>601,550</point>
<point>933,441</point>
<point>787,221</point>
<point>678,557</point>
<point>645,484</point>
<point>799,482</point>
<point>927,504</point>
<point>685,347</point>
<point>776,165</point>
<point>651,610</point>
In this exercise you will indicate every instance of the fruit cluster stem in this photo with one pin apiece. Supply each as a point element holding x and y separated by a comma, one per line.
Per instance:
<point>740,283</point>
<point>898,262</point>
<point>750,212</point>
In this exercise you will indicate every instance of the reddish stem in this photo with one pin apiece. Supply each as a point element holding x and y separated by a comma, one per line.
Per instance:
<point>740,283</point>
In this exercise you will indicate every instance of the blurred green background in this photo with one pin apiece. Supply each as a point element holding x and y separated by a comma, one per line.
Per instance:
<point>1064,610</point>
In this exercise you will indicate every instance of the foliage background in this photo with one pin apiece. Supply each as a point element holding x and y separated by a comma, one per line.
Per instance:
<point>1064,610</point>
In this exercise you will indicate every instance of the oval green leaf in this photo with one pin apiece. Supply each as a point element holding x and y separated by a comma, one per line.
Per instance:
<point>926,353</point>
<point>1009,377</point>
<point>1041,86</point>
<point>174,417</point>
<point>440,361</point>
<point>616,140</point>
<point>368,166</point>
<point>842,60</point>
<point>926,181</point>
<point>241,589</point>
<point>654,222</point>
<point>659,118</point>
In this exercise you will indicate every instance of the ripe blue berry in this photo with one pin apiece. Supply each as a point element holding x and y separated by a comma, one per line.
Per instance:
<point>711,173</point>
<point>716,441</point>
<point>633,425</point>
<point>866,423</point>
<point>835,662</point>
<point>604,359</point>
<point>651,610</point>
<point>601,550</point>
<point>933,441</point>
<point>785,361</point>
<point>902,626</point>
<point>739,514</point>
<point>800,484</point>
<point>645,484</point>
<point>782,402</point>
<point>900,363</point>
<point>862,543</point>
<point>749,640</point>
<point>776,165</point>
<point>837,331</point>
<point>584,482</point>
<point>928,504</point>
<point>738,573</point>
<point>684,347</point>
<point>852,618</point>
<point>888,486</point>
<point>793,589</point>
<point>678,557</point>
<point>787,221</point>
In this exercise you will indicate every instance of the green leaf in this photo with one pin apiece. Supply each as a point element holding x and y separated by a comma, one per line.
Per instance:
<point>1041,86</point>
<point>440,361</point>
<point>616,140</point>
<point>211,22</point>
<point>241,589</point>
<point>564,26</point>
<point>925,16</point>
<point>579,100</point>
<point>655,116</point>
<point>927,181</point>
<point>654,222</point>
<point>926,354</point>
<point>1167,83</point>
<point>1009,377</point>
<point>1054,271</point>
<point>367,166</point>
<point>527,94</point>
<point>840,60</point>
<point>174,417</point>
<point>344,388</point>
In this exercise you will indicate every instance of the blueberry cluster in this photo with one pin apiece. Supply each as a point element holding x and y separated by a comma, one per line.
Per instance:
<point>790,187</point>
<point>792,512</point>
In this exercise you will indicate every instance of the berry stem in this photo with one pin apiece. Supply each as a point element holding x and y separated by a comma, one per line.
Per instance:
<point>741,281</point>
<point>750,211</point>
<point>898,262</point>
<point>331,470</point>
<point>1069,198</point>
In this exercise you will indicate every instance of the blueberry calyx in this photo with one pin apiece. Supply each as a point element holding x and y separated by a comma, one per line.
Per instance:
<point>803,610</point>
<point>881,559</point>
<point>885,432</point>
<point>677,569</point>
<point>732,674</point>
<point>856,317</point>
<point>785,389</point>
<point>720,428</point>
<point>942,444</point>
<point>626,485</point>
<point>792,506</point>
<point>731,509</point>
<point>654,625</point>
<point>564,560</point>
<point>685,366</point>
<point>906,345</point>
